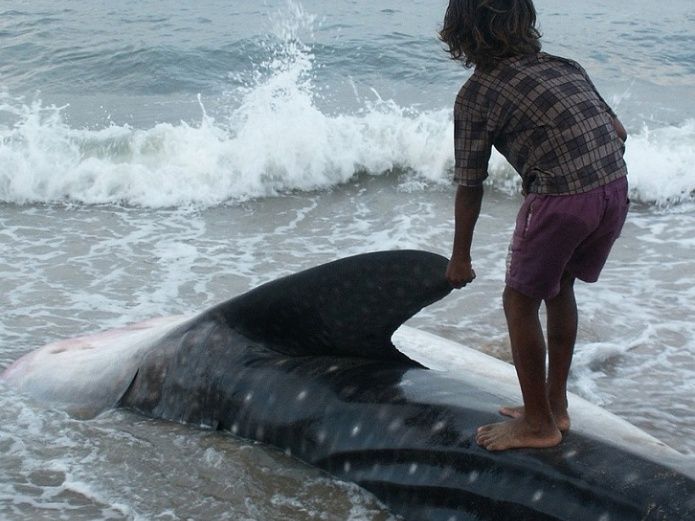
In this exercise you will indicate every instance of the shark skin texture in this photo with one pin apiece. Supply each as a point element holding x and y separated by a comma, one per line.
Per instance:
<point>306,363</point>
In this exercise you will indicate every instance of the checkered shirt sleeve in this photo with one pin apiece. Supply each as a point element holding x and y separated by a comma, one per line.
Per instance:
<point>472,139</point>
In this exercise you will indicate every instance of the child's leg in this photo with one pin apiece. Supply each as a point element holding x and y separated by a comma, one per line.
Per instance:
<point>536,426</point>
<point>562,334</point>
<point>553,235</point>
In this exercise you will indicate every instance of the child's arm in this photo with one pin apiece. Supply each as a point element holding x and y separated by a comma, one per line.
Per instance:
<point>473,139</point>
<point>466,210</point>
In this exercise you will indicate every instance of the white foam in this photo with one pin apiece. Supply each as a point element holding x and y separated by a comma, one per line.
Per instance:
<point>660,162</point>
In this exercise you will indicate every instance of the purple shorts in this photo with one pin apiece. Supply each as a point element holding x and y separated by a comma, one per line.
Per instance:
<point>564,233</point>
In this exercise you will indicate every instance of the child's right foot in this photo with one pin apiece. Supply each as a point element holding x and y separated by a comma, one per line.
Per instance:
<point>561,416</point>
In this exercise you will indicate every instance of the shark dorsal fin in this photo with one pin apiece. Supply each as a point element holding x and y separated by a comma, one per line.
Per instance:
<point>350,307</point>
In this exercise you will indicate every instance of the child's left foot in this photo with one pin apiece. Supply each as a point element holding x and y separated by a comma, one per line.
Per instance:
<point>560,415</point>
<point>517,434</point>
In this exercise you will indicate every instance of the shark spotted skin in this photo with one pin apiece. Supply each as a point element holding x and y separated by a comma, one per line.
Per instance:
<point>306,363</point>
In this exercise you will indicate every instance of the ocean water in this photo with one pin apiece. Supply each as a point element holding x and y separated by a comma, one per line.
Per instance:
<point>156,159</point>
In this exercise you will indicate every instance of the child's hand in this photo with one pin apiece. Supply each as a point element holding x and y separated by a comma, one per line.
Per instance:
<point>459,272</point>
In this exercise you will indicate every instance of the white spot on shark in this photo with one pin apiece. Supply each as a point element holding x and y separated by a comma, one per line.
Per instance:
<point>235,428</point>
<point>302,395</point>
<point>631,477</point>
<point>413,469</point>
<point>395,424</point>
<point>438,427</point>
<point>322,436</point>
<point>537,496</point>
<point>473,476</point>
<point>347,466</point>
<point>355,430</point>
<point>248,397</point>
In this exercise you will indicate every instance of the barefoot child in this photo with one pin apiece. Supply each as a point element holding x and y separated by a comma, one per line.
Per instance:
<point>545,116</point>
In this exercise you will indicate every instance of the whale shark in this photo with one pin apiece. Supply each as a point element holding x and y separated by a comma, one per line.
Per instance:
<point>308,363</point>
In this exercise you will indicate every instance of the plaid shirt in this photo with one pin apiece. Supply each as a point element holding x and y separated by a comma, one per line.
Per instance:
<point>545,116</point>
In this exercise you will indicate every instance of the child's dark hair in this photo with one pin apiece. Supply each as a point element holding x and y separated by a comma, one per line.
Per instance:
<point>481,32</point>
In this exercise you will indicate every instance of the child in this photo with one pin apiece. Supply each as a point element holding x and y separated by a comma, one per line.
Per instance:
<point>545,116</point>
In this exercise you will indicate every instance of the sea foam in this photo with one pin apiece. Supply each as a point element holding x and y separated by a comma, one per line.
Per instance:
<point>279,145</point>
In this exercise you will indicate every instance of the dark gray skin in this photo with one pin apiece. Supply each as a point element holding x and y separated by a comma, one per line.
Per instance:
<point>306,364</point>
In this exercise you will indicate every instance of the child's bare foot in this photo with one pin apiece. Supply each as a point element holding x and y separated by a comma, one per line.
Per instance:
<point>562,417</point>
<point>515,434</point>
